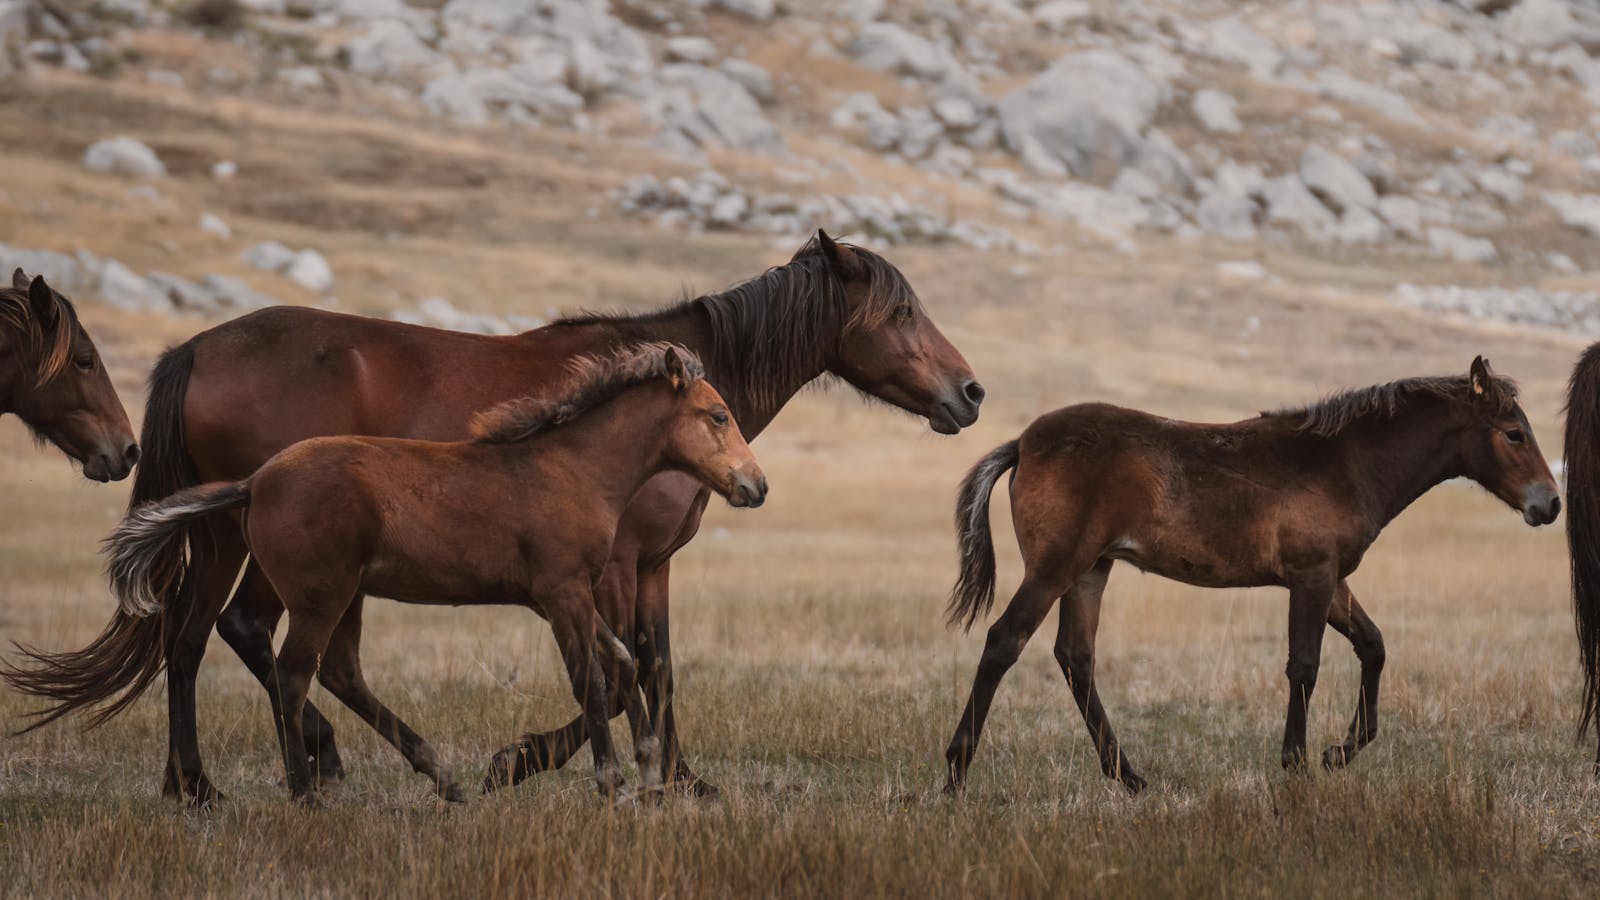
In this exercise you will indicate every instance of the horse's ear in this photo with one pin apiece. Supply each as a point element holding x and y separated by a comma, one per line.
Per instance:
<point>1483,386</point>
<point>43,301</point>
<point>677,375</point>
<point>838,256</point>
<point>19,279</point>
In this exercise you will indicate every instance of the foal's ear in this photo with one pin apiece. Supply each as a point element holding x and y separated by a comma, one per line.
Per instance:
<point>43,301</point>
<point>19,279</point>
<point>677,375</point>
<point>1483,386</point>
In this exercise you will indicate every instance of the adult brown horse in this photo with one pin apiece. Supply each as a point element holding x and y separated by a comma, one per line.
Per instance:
<point>226,401</point>
<point>523,515</point>
<point>1291,499</point>
<point>1583,526</point>
<point>52,378</point>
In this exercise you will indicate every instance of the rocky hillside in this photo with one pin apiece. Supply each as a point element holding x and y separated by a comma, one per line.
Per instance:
<point>1463,132</point>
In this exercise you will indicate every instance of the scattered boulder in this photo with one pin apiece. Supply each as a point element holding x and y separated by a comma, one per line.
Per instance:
<point>891,48</point>
<point>1335,181</point>
<point>124,156</point>
<point>1576,312</point>
<point>1577,211</point>
<point>1548,24</point>
<point>121,288</point>
<point>710,109</point>
<point>212,224</point>
<point>1086,114</point>
<point>1460,247</point>
<point>389,48</point>
<point>1215,111</point>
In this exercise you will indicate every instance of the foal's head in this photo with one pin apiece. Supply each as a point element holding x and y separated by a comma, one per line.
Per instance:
<point>889,348</point>
<point>51,376</point>
<point>1499,451</point>
<point>702,437</point>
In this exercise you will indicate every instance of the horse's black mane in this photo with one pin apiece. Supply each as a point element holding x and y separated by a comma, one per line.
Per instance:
<point>778,330</point>
<point>1338,411</point>
<point>595,380</point>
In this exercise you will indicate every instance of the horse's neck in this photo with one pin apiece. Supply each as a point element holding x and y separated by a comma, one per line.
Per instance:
<point>1404,457</point>
<point>11,373</point>
<point>689,327</point>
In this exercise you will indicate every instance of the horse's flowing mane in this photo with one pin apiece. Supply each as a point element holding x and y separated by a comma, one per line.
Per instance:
<point>49,348</point>
<point>594,380</point>
<point>1384,401</point>
<point>778,330</point>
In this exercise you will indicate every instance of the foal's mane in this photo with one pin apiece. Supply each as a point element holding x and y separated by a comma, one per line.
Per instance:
<point>1339,411</point>
<point>593,381</point>
<point>51,348</point>
<point>776,331</point>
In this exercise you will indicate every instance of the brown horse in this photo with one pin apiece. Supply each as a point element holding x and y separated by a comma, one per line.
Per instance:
<point>523,515</point>
<point>51,376</point>
<point>227,400</point>
<point>1291,499</point>
<point>1583,526</point>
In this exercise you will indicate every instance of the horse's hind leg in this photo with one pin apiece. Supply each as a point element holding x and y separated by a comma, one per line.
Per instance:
<point>1347,617</point>
<point>1007,636</point>
<point>311,624</point>
<point>341,674</point>
<point>247,625</point>
<point>535,752</point>
<point>1080,621</point>
<point>217,552</point>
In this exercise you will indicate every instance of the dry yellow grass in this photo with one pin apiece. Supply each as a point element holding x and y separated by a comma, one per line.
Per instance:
<point>817,684</point>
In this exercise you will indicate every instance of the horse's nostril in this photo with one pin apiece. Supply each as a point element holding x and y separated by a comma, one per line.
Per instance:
<point>131,454</point>
<point>973,391</point>
<point>1555,508</point>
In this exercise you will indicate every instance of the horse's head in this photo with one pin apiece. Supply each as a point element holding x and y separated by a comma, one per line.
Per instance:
<point>1500,452</point>
<point>704,440</point>
<point>891,350</point>
<point>59,387</point>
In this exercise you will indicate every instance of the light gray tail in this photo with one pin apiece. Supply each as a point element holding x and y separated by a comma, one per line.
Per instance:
<point>142,563</point>
<point>974,591</point>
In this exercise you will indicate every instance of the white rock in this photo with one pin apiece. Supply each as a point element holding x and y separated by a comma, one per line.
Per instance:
<point>1087,113</point>
<point>227,168</point>
<point>1499,183</point>
<point>389,48</point>
<point>691,48</point>
<point>1359,226</point>
<point>755,79</point>
<point>123,289</point>
<point>1460,247</point>
<point>210,223</point>
<point>1215,110</point>
<point>124,155</point>
<point>234,293</point>
<point>1234,40</point>
<point>311,271</point>
<point>302,78</point>
<point>1403,214</point>
<point>182,293</point>
<point>1290,203</point>
<point>1338,84</point>
<point>64,273</point>
<point>1335,181</point>
<point>165,78</point>
<point>269,255</point>
<point>1548,24</point>
<point>712,109</point>
<point>891,48</point>
<point>1058,15</point>
<point>1247,269</point>
<point>729,210</point>
<point>754,10</point>
<point>1228,214</point>
<point>1577,211</point>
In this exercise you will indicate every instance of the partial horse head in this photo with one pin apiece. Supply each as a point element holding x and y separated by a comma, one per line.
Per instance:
<point>889,348</point>
<point>704,440</point>
<point>1500,452</point>
<point>51,376</point>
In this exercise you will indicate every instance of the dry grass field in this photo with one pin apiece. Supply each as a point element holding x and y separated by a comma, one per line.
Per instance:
<point>818,686</point>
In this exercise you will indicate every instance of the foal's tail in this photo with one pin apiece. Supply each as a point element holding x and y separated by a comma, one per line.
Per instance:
<point>130,652</point>
<point>974,591</point>
<point>1583,523</point>
<point>145,563</point>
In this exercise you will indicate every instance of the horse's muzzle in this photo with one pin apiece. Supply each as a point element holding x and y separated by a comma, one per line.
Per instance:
<point>111,466</point>
<point>749,489</point>
<point>1541,506</point>
<point>959,409</point>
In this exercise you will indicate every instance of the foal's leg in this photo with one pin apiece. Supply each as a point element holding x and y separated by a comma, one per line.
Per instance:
<point>215,556</point>
<point>341,674</point>
<point>573,620</point>
<point>1347,617</point>
<point>623,675</point>
<point>1007,636</point>
<point>1309,601</point>
<point>1080,621</point>
<point>247,625</point>
<point>311,624</point>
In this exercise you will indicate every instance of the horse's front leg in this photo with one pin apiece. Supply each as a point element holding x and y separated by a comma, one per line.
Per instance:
<point>654,649</point>
<point>1309,599</point>
<point>1347,617</point>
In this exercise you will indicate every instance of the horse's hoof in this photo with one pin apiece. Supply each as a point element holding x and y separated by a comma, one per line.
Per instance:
<point>1334,758</point>
<point>1133,783</point>
<point>500,770</point>
<point>1294,760</point>
<point>452,793</point>
<point>955,789</point>
<point>308,800</point>
<point>330,776</point>
<point>695,786</point>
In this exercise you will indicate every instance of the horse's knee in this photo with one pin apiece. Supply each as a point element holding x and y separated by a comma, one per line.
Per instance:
<point>1302,669</point>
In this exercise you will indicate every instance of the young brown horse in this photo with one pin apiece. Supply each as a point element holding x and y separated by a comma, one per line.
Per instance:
<point>1583,526</point>
<point>52,378</point>
<point>231,397</point>
<point>1292,499</point>
<point>523,515</point>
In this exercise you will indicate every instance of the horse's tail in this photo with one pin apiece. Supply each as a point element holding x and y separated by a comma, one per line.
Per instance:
<point>1583,522</point>
<point>974,591</point>
<point>130,652</point>
<point>145,563</point>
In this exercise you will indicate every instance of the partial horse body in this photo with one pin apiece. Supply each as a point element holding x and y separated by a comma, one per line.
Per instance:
<point>1290,499</point>
<point>522,515</point>
<point>1583,527</point>
<point>52,378</point>
<point>227,400</point>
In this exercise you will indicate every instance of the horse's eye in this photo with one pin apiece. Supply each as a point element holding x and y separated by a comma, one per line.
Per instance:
<point>1516,436</point>
<point>720,418</point>
<point>84,363</point>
